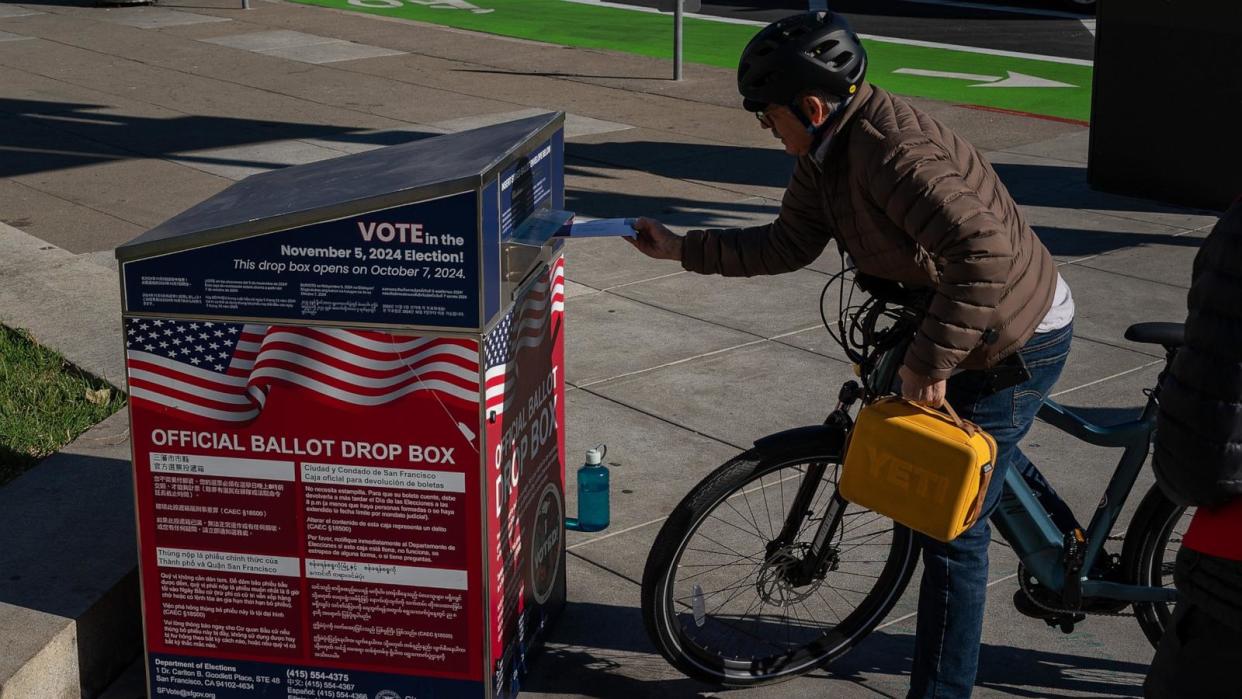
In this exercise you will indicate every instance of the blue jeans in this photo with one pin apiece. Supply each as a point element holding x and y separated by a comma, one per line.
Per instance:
<point>955,574</point>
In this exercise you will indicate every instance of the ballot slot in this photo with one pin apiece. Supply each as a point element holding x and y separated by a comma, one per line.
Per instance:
<point>525,249</point>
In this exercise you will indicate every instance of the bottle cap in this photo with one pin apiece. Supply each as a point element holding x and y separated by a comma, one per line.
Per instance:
<point>595,455</point>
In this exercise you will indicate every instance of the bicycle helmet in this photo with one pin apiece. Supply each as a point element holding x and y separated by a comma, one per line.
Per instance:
<point>802,51</point>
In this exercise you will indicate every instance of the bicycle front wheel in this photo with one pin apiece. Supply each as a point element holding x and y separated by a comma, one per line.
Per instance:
<point>717,598</point>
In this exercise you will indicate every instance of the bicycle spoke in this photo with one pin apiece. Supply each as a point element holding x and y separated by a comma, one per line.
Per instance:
<point>751,613</point>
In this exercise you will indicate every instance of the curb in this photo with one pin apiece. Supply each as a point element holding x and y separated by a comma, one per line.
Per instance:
<point>69,606</point>
<point>69,303</point>
<point>69,609</point>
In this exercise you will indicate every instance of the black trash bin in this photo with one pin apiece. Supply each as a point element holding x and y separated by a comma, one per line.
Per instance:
<point>1166,107</point>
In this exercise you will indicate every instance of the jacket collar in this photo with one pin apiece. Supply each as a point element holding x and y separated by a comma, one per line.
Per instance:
<point>828,141</point>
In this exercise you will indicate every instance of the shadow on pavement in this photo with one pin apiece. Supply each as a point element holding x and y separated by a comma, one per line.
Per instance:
<point>41,136</point>
<point>38,136</point>
<point>601,650</point>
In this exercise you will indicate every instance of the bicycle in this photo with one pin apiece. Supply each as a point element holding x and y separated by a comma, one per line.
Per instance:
<point>742,571</point>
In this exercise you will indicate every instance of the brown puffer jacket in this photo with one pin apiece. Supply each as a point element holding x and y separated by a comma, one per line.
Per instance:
<point>913,202</point>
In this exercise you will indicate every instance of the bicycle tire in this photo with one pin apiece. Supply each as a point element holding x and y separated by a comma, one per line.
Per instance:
<point>659,609</point>
<point>1147,560</point>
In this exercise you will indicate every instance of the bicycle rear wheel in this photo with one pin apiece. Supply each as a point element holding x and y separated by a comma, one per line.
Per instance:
<point>715,600</point>
<point>1148,555</point>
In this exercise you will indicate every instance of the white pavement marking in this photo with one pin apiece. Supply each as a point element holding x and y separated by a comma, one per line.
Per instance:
<point>1090,25</point>
<point>911,615</point>
<point>1024,80</point>
<point>8,36</point>
<point>869,37</point>
<point>697,356</point>
<point>1037,12</point>
<point>657,520</point>
<point>946,74</point>
<point>1013,80</point>
<point>618,532</point>
<point>1107,378</point>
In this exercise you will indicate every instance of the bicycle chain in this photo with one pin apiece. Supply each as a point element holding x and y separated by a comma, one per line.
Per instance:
<point>1026,589</point>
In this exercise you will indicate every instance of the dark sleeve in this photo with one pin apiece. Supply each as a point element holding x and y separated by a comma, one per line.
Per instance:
<point>1198,450</point>
<point>922,190</point>
<point>791,242</point>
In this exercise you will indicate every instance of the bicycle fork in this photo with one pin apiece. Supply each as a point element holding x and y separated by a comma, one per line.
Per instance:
<point>820,557</point>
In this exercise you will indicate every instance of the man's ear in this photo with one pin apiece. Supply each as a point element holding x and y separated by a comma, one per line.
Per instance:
<point>815,109</point>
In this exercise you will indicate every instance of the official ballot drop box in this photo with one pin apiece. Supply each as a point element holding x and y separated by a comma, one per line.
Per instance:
<point>348,424</point>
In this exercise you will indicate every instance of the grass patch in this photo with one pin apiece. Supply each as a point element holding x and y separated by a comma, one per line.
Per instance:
<point>45,402</point>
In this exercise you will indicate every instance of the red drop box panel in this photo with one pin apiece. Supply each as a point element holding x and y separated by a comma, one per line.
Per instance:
<point>348,433</point>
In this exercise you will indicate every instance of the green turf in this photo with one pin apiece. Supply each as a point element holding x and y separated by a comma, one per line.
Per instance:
<point>44,402</point>
<point>719,44</point>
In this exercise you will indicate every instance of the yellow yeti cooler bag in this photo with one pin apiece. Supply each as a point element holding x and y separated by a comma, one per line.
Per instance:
<point>918,466</point>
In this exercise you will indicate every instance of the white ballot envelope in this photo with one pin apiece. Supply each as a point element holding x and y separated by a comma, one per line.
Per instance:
<point>600,228</point>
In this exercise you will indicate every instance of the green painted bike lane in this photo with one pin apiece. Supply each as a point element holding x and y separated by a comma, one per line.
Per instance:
<point>1035,86</point>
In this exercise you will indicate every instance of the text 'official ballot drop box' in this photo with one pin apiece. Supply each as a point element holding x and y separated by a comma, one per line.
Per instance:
<point>347,412</point>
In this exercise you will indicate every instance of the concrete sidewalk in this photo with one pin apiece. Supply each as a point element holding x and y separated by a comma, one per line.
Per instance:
<point>115,119</point>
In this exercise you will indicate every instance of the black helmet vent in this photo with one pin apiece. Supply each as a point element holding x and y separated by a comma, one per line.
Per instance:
<point>825,47</point>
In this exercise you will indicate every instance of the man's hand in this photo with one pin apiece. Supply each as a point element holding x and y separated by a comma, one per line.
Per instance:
<point>654,240</point>
<point>921,389</point>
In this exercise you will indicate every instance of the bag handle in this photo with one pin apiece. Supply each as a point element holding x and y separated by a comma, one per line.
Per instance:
<point>985,477</point>
<point>968,427</point>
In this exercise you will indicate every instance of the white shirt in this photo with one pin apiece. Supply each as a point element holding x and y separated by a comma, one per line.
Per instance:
<point>1062,312</point>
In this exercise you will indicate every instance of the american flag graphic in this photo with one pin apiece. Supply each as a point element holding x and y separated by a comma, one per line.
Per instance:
<point>223,371</point>
<point>525,326</point>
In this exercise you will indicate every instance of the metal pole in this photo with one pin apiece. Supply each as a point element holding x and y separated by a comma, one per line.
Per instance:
<point>677,14</point>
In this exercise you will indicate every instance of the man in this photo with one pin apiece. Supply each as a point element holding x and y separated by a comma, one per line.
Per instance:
<point>910,201</point>
<point>1198,461</point>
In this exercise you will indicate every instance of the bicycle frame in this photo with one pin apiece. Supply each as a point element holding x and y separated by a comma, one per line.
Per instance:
<point>1026,525</point>
<point>1024,522</point>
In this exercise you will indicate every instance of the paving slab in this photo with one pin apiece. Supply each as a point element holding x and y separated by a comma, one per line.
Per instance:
<point>735,396</point>
<point>764,306</point>
<point>1071,147</point>
<point>1041,181</point>
<point>1024,657</point>
<point>637,148</point>
<point>333,52</point>
<point>651,462</point>
<point>993,130</point>
<point>576,125</point>
<point>72,226</point>
<point>7,11</point>
<point>604,263</point>
<point>1168,263</point>
<point>1107,303</point>
<point>269,40</point>
<point>158,17</point>
<point>1073,234</point>
<point>240,162</point>
<point>128,189</point>
<point>756,171</point>
<point>605,192</point>
<point>610,335</point>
